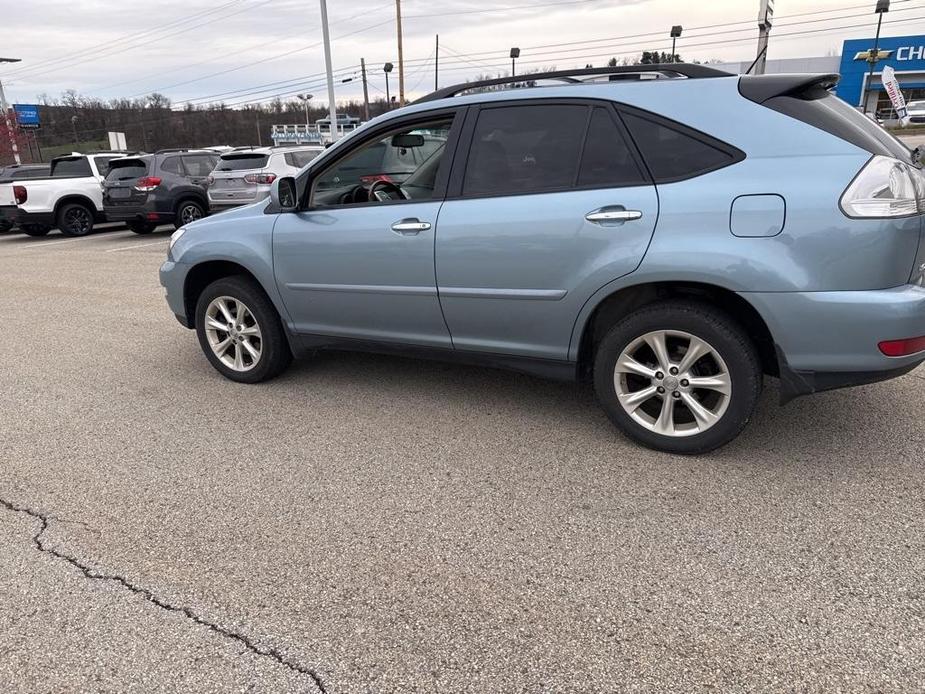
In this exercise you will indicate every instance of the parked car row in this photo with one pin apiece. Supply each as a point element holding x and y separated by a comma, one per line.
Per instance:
<point>77,191</point>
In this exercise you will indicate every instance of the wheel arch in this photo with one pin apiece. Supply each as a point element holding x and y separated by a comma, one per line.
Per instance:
<point>205,273</point>
<point>612,307</point>
<point>79,199</point>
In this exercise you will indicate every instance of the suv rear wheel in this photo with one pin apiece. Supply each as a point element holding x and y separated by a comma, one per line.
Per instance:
<point>75,219</point>
<point>189,211</point>
<point>680,377</point>
<point>240,331</point>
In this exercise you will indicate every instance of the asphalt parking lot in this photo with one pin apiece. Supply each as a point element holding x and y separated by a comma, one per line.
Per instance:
<point>368,524</point>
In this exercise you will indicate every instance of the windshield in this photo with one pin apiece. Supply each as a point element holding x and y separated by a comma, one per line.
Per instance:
<point>242,162</point>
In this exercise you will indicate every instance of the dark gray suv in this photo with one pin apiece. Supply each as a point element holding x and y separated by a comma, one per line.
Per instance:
<point>166,187</point>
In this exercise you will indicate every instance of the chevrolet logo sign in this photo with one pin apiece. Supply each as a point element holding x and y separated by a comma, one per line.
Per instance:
<point>869,55</point>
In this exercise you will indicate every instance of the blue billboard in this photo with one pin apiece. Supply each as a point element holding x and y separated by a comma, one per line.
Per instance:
<point>27,115</point>
<point>905,53</point>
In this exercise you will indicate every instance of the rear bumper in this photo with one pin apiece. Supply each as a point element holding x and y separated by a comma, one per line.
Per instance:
<point>138,213</point>
<point>829,340</point>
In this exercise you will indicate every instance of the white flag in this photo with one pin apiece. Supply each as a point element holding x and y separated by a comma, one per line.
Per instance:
<point>891,85</point>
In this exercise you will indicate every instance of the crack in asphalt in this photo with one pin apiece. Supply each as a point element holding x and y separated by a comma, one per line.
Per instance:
<point>93,574</point>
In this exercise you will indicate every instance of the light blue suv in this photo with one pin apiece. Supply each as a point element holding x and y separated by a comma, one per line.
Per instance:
<point>672,233</point>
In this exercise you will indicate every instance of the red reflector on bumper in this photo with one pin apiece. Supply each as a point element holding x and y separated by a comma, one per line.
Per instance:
<point>903,348</point>
<point>153,216</point>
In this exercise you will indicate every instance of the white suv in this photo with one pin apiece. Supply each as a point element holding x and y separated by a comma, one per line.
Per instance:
<point>244,176</point>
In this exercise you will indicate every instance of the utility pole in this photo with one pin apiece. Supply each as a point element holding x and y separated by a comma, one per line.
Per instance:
<point>765,17</point>
<point>874,55</point>
<point>326,34</point>
<point>6,116</point>
<point>437,63</point>
<point>401,60</point>
<point>365,89</point>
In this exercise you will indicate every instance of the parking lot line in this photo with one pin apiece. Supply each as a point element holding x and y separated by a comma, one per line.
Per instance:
<point>50,243</point>
<point>133,247</point>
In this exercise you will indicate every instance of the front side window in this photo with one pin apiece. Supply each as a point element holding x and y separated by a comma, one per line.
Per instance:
<point>525,149</point>
<point>402,165</point>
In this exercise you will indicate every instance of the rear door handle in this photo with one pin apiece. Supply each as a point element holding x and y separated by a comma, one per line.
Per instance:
<point>614,215</point>
<point>410,226</point>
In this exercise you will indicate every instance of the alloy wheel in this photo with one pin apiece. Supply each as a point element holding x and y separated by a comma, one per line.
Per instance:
<point>233,333</point>
<point>190,213</point>
<point>78,221</point>
<point>672,383</point>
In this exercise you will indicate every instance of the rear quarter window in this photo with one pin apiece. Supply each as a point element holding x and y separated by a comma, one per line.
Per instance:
<point>674,152</point>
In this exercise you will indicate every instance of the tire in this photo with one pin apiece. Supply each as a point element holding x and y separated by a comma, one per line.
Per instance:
<point>142,227</point>
<point>271,343</point>
<point>75,219</point>
<point>35,229</point>
<point>729,361</point>
<point>188,211</point>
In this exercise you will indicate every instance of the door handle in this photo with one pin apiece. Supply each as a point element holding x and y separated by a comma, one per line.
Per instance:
<point>616,215</point>
<point>410,226</point>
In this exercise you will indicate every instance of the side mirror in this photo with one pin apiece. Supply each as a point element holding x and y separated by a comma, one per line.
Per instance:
<point>407,140</point>
<point>284,195</point>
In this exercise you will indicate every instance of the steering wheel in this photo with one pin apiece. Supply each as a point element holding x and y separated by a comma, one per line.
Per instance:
<point>383,191</point>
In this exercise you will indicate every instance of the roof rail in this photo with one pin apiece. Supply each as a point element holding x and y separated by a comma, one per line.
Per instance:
<point>619,72</point>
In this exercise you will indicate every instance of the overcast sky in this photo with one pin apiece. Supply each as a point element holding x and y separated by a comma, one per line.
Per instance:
<point>244,50</point>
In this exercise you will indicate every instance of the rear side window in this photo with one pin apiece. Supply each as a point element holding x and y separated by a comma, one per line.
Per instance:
<point>300,159</point>
<point>242,162</point>
<point>606,160</point>
<point>674,153</point>
<point>72,166</point>
<point>127,170</point>
<point>172,165</point>
<point>28,173</point>
<point>199,164</point>
<point>525,149</point>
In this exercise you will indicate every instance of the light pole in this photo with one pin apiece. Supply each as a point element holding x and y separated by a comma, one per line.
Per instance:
<point>874,56</point>
<point>387,68</point>
<point>6,115</point>
<point>515,54</point>
<point>305,98</point>
<point>675,35</point>
<point>326,36</point>
<point>74,128</point>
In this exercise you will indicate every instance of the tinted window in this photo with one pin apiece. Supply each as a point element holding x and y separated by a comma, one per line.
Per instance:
<point>72,166</point>
<point>523,149</point>
<point>673,155</point>
<point>127,170</point>
<point>102,164</point>
<point>300,159</point>
<point>606,160</point>
<point>242,162</point>
<point>172,165</point>
<point>199,164</point>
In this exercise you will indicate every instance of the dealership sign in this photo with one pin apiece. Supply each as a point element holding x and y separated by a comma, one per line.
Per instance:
<point>905,54</point>
<point>27,116</point>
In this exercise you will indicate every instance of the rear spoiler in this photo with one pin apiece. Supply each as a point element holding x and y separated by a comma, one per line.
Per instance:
<point>760,88</point>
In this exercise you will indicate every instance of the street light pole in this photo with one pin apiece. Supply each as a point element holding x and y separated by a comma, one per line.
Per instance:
<point>515,54</point>
<point>387,68</point>
<point>305,98</point>
<point>874,56</point>
<point>326,35</point>
<point>675,34</point>
<point>6,116</point>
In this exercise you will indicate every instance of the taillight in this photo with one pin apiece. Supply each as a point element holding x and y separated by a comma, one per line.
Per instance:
<point>20,194</point>
<point>885,187</point>
<point>146,184</point>
<point>260,179</point>
<point>903,348</point>
<point>375,177</point>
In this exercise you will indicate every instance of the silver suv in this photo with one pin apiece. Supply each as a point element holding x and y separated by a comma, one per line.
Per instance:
<point>245,176</point>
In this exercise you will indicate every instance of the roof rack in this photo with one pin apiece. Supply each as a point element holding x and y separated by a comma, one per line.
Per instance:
<point>619,72</point>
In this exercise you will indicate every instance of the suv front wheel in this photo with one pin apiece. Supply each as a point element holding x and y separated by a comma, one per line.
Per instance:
<point>240,332</point>
<point>75,219</point>
<point>680,377</point>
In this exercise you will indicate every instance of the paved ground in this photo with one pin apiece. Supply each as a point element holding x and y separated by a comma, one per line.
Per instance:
<point>376,524</point>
